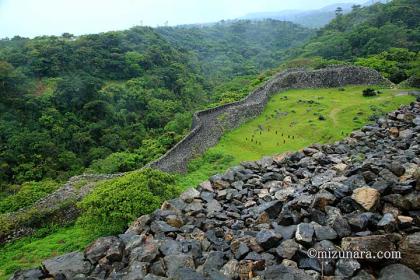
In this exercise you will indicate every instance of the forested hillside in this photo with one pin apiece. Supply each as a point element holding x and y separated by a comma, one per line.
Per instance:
<point>67,101</point>
<point>387,34</point>
<point>234,48</point>
<point>114,101</point>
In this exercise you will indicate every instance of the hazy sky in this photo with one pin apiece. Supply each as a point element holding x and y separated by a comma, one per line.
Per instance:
<point>31,18</point>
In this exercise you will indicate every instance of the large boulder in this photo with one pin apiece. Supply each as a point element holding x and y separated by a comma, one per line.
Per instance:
<point>397,272</point>
<point>410,251</point>
<point>110,247</point>
<point>372,244</point>
<point>69,265</point>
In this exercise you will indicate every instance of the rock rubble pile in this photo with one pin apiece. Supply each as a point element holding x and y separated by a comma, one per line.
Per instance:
<point>259,220</point>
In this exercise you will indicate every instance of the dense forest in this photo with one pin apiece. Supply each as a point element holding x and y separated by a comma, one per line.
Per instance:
<point>67,101</point>
<point>114,101</point>
<point>235,48</point>
<point>383,36</point>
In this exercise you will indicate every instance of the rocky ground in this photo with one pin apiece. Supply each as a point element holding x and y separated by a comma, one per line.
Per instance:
<point>259,219</point>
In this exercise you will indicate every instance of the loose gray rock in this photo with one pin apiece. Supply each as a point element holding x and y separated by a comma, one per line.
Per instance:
<point>346,267</point>
<point>304,233</point>
<point>189,195</point>
<point>287,232</point>
<point>69,264</point>
<point>175,263</point>
<point>99,249</point>
<point>410,251</point>
<point>268,239</point>
<point>287,249</point>
<point>324,232</point>
<point>397,272</point>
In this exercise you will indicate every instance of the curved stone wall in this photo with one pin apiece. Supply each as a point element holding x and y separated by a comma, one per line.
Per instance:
<point>209,125</point>
<point>207,128</point>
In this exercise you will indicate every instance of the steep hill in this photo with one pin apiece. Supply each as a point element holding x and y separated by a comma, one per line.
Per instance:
<point>114,203</point>
<point>384,37</point>
<point>368,30</point>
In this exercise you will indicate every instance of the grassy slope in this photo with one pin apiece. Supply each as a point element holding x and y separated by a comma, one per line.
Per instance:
<point>30,251</point>
<point>344,111</point>
<point>339,108</point>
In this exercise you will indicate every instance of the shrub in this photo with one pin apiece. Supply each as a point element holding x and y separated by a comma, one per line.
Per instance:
<point>369,92</point>
<point>5,226</point>
<point>117,162</point>
<point>113,204</point>
<point>28,193</point>
<point>321,118</point>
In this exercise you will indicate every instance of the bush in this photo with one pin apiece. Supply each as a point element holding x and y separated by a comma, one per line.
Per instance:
<point>5,226</point>
<point>28,193</point>
<point>321,118</point>
<point>113,204</point>
<point>395,64</point>
<point>117,162</point>
<point>369,92</point>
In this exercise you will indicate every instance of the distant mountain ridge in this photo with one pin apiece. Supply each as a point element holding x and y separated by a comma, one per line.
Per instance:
<point>309,18</point>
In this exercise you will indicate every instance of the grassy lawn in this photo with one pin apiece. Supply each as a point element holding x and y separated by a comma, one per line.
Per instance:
<point>290,122</point>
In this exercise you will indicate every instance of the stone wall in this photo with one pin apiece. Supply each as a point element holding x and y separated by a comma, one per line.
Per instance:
<point>209,125</point>
<point>58,207</point>
<point>207,128</point>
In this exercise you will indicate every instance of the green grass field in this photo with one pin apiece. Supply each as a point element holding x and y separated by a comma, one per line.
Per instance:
<point>290,122</point>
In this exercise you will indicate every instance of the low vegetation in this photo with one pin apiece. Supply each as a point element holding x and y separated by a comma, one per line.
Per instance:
<point>113,204</point>
<point>49,242</point>
<point>26,194</point>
